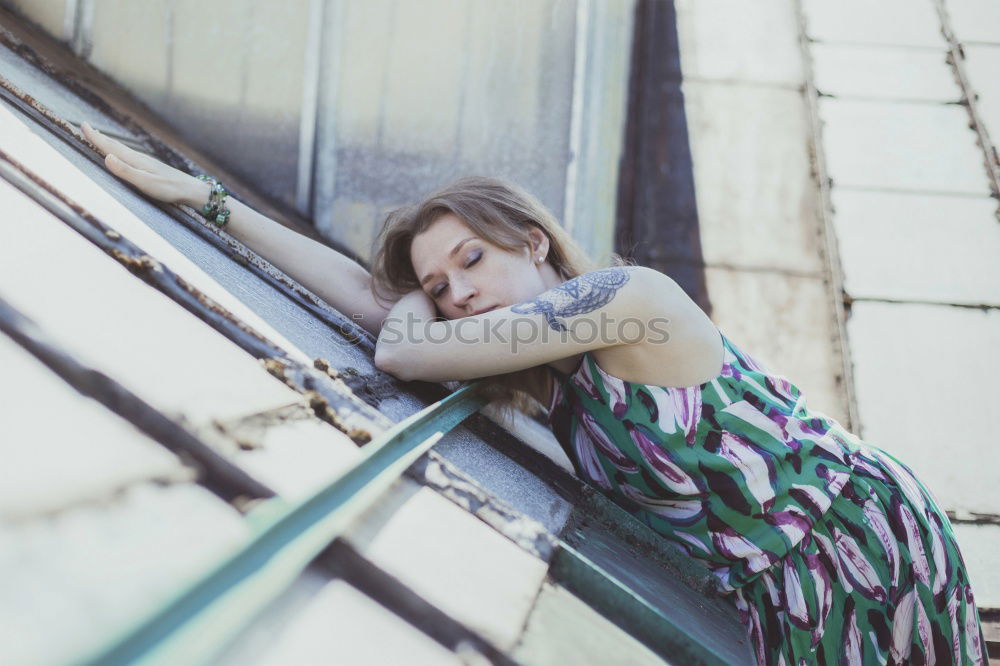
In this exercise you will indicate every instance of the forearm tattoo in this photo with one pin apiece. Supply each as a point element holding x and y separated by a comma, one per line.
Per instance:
<point>580,295</point>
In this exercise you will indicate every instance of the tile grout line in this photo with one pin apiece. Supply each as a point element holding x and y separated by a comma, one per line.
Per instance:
<point>833,270</point>
<point>956,58</point>
<point>909,301</point>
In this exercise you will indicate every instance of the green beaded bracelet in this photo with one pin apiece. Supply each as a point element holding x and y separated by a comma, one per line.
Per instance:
<point>213,210</point>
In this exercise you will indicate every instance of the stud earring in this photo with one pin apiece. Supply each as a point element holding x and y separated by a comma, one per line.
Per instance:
<point>538,259</point>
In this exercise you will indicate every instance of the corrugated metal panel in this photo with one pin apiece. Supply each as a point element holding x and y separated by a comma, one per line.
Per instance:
<point>452,88</point>
<point>228,74</point>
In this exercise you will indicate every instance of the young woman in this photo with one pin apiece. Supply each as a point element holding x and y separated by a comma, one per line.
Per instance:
<point>832,550</point>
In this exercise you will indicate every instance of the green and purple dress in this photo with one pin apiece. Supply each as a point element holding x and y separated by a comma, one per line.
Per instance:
<point>834,552</point>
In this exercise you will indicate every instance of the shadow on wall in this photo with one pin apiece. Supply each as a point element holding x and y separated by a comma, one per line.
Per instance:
<point>657,211</point>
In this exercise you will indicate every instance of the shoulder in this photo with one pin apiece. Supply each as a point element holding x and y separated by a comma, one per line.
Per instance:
<point>642,284</point>
<point>649,293</point>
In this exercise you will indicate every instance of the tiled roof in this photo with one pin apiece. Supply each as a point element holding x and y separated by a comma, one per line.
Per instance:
<point>163,381</point>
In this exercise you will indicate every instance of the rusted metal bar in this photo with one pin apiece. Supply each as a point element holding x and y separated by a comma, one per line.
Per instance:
<point>335,407</point>
<point>219,475</point>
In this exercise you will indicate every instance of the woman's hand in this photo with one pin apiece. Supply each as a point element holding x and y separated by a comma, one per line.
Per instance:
<point>148,175</point>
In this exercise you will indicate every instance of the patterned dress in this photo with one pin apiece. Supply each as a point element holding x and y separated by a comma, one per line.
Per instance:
<point>833,551</point>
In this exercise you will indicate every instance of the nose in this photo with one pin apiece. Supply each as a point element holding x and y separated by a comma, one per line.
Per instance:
<point>461,292</point>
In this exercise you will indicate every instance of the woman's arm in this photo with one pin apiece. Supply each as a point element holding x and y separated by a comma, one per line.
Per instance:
<point>605,308</point>
<point>321,269</point>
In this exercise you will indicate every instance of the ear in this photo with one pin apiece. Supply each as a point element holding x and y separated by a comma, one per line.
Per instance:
<point>538,243</point>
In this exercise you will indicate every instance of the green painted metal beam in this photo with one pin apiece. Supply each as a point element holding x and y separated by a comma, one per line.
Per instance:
<point>207,616</point>
<point>617,601</point>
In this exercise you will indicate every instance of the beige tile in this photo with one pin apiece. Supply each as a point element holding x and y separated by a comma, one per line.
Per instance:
<point>979,545</point>
<point>452,559</point>
<point>925,378</point>
<point>94,309</point>
<point>919,248</point>
<point>60,448</point>
<point>29,149</point>
<point>334,623</point>
<point>890,22</point>
<point>848,70</point>
<point>981,65</point>
<point>89,573</point>
<point>564,630</point>
<point>297,458</point>
<point>730,40</point>
<point>757,200</point>
<point>974,20</point>
<point>913,147</point>
<point>786,324</point>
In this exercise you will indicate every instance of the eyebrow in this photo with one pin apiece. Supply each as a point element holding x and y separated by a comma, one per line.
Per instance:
<point>454,251</point>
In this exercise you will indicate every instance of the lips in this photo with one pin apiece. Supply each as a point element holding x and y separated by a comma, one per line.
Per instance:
<point>484,310</point>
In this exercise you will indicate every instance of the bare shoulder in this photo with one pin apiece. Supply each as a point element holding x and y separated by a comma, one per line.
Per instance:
<point>679,345</point>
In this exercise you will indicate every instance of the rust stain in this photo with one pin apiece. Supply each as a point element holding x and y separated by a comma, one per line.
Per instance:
<point>219,310</point>
<point>137,264</point>
<point>373,389</point>
<point>323,365</point>
<point>319,405</point>
<point>144,266</point>
<point>321,408</point>
<point>249,432</point>
<point>44,111</point>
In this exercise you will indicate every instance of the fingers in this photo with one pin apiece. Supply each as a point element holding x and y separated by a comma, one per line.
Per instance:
<point>120,168</point>
<point>112,147</point>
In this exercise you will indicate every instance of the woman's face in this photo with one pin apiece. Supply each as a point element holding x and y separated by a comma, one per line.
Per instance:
<point>466,275</point>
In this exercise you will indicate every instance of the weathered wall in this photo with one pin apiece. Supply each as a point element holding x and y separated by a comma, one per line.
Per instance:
<point>345,109</point>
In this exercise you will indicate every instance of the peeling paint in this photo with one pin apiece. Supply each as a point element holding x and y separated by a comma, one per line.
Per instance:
<point>136,264</point>
<point>247,433</point>
<point>319,404</point>
<point>973,518</point>
<point>336,406</point>
<point>216,473</point>
<point>373,388</point>
<point>435,472</point>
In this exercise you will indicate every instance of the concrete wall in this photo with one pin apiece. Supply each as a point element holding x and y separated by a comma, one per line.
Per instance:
<point>345,109</point>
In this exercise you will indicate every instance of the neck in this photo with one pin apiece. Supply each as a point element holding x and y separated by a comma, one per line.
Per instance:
<point>550,277</point>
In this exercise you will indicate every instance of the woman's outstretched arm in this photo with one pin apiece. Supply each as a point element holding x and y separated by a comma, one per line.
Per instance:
<point>341,282</point>
<point>610,307</point>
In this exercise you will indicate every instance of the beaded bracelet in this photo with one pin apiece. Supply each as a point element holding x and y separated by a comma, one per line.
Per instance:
<point>213,210</point>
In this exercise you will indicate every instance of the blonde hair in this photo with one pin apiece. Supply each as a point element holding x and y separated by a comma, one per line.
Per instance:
<point>502,214</point>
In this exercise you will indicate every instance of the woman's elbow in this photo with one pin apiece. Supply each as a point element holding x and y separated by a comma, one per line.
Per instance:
<point>387,360</point>
<point>383,358</point>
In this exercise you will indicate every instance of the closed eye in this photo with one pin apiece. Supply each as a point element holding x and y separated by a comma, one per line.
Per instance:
<point>473,259</point>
